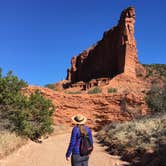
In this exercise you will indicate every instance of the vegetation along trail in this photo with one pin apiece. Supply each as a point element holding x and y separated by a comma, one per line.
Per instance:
<point>52,153</point>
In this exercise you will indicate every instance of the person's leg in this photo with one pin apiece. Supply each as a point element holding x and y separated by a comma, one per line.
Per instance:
<point>85,162</point>
<point>75,160</point>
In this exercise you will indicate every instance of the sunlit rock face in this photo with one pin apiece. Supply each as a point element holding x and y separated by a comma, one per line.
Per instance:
<point>115,53</point>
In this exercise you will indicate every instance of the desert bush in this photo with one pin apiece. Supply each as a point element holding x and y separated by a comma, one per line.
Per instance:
<point>73,92</point>
<point>10,97</point>
<point>29,116</point>
<point>156,98</point>
<point>137,135</point>
<point>34,119</point>
<point>153,69</point>
<point>51,86</point>
<point>95,90</point>
<point>112,90</point>
<point>10,87</point>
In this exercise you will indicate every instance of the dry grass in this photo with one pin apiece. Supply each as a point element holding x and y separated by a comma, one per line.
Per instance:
<point>143,134</point>
<point>9,142</point>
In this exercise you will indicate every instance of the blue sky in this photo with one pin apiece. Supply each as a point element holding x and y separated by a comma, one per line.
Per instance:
<point>39,37</point>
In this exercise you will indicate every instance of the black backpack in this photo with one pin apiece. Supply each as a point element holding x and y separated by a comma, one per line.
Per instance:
<point>86,145</point>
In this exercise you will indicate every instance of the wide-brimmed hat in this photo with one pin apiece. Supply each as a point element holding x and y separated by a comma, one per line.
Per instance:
<point>79,119</point>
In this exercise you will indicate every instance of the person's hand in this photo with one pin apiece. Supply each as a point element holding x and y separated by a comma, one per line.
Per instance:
<point>67,158</point>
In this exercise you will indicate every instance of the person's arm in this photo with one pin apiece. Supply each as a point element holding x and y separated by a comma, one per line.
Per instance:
<point>72,142</point>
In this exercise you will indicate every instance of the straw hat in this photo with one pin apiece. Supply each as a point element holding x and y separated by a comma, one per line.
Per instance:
<point>79,119</point>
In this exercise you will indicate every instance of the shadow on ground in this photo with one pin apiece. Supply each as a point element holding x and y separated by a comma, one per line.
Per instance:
<point>140,157</point>
<point>156,158</point>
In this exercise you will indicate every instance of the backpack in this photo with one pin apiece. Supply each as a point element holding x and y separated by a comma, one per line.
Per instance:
<point>86,145</point>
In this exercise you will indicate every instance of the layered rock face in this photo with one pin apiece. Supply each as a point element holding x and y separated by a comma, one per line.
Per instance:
<point>99,109</point>
<point>116,53</point>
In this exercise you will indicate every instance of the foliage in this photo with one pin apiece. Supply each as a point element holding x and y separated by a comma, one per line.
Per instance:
<point>50,86</point>
<point>156,98</point>
<point>139,135</point>
<point>10,87</point>
<point>153,69</point>
<point>95,90</point>
<point>34,118</point>
<point>73,92</point>
<point>29,116</point>
<point>112,90</point>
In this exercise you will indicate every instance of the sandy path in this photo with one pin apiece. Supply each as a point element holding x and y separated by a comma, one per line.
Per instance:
<point>52,153</point>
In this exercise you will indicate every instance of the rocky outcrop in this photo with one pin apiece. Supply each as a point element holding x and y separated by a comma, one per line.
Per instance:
<point>116,53</point>
<point>99,109</point>
<point>111,63</point>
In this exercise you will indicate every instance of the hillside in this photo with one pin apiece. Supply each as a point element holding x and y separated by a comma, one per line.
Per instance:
<point>111,69</point>
<point>155,73</point>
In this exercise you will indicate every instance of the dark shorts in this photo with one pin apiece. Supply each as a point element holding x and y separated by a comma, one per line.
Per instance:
<point>77,160</point>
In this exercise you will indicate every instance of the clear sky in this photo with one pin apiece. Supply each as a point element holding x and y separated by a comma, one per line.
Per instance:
<point>39,37</point>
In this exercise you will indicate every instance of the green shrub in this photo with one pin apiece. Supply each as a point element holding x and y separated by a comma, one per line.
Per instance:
<point>154,69</point>
<point>35,118</point>
<point>70,92</point>
<point>50,86</point>
<point>10,88</point>
<point>112,90</point>
<point>10,98</point>
<point>156,98</point>
<point>95,90</point>
<point>29,116</point>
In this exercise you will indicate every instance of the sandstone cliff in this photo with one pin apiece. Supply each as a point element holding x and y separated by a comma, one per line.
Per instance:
<point>111,63</point>
<point>115,53</point>
<point>99,109</point>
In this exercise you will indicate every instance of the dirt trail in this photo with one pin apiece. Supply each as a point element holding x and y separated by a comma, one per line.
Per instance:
<point>52,153</point>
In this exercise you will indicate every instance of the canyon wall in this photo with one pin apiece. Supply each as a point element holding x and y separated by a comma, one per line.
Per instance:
<point>116,53</point>
<point>99,109</point>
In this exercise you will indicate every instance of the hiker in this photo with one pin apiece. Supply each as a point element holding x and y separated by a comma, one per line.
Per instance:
<point>81,142</point>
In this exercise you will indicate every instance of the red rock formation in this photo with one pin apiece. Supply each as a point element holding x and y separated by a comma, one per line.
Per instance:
<point>116,53</point>
<point>99,109</point>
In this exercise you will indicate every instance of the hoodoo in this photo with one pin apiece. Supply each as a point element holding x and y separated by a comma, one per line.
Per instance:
<point>115,53</point>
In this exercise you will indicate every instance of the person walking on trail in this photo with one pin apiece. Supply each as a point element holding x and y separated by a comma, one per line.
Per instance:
<point>81,142</point>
